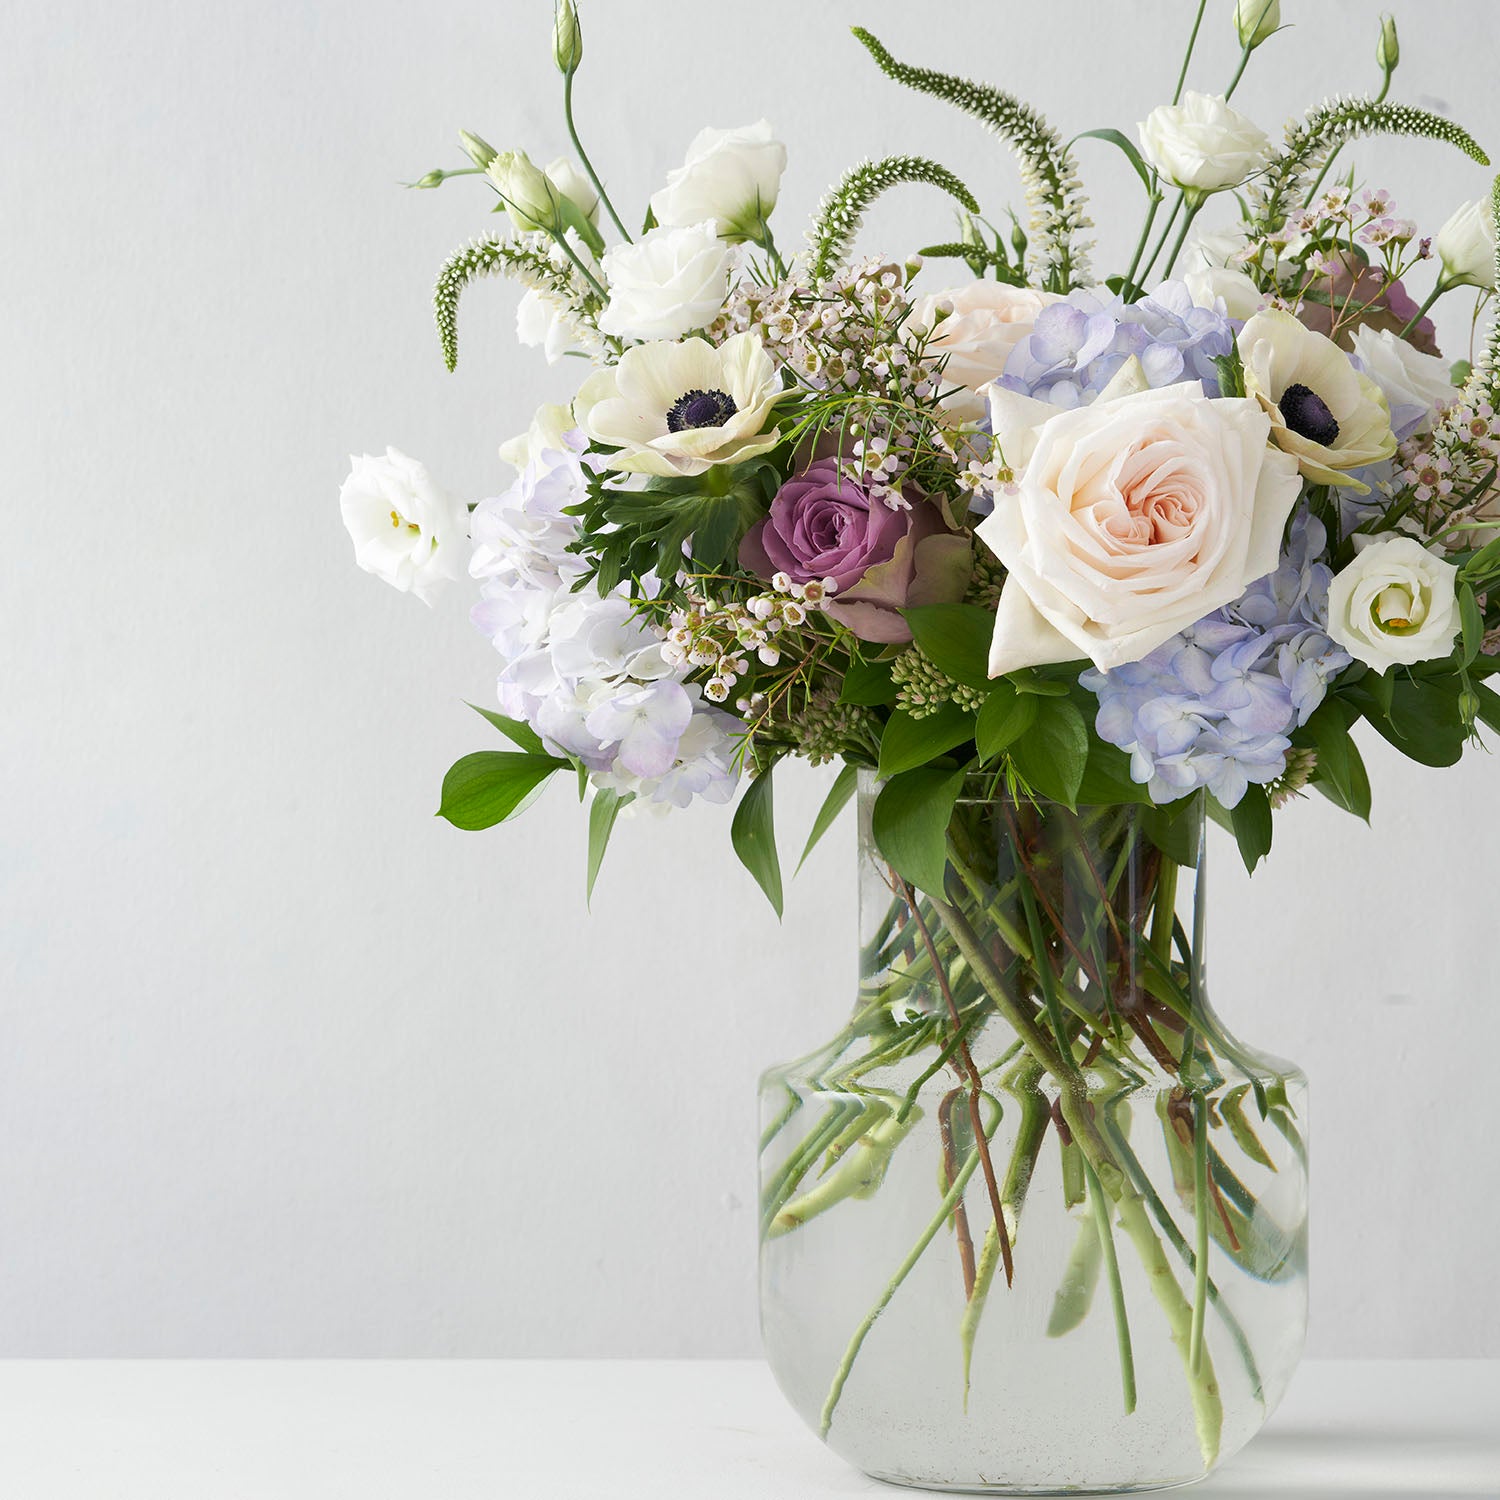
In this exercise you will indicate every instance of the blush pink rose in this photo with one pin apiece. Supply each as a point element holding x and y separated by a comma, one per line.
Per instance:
<point>824,525</point>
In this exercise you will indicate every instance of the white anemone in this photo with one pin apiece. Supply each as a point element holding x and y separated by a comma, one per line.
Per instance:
<point>679,408</point>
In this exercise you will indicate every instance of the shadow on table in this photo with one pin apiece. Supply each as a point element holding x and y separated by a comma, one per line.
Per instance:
<point>1389,1465</point>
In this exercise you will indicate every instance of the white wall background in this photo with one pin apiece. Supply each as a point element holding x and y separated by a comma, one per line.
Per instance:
<point>289,1067</point>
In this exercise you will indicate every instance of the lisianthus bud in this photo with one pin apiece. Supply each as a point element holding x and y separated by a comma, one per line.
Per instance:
<point>567,38</point>
<point>1255,20</point>
<point>531,197</point>
<point>1466,246</point>
<point>479,150</point>
<point>1388,48</point>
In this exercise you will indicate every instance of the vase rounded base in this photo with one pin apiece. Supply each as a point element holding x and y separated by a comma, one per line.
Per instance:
<point>983,1487</point>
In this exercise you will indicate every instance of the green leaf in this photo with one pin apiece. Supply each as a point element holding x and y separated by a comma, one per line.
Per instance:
<point>1422,719</point>
<point>1042,687</point>
<point>1053,753</point>
<point>1118,138</point>
<point>868,684</point>
<point>956,639</point>
<point>833,804</point>
<point>1251,820</point>
<point>1107,781</point>
<point>1177,829</point>
<point>909,742</point>
<point>487,787</point>
<point>1489,706</point>
<point>1340,771</point>
<point>910,824</point>
<point>753,834</point>
<point>603,811</point>
<point>1003,718</point>
<point>514,730</point>
<point>1473,622</point>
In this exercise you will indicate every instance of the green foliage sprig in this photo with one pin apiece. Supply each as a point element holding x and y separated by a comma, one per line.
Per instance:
<point>1049,173</point>
<point>1309,143</point>
<point>843,209</point>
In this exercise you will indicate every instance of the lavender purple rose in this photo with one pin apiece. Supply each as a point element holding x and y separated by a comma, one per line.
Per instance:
<point>823,524</point>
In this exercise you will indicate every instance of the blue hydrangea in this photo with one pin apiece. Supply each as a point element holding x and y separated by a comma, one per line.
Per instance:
<point>1214,706</point>
<point>1077,346</point>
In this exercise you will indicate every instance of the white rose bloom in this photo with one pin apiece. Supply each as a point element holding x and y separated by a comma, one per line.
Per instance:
<point>1466,246</point>
<point>985,321</point>
<point>666,284</point>
<point>1323,412</point>
<point>1201,144</point>
<point>1395,604</point>
<point>1131,519</point>
<point>574,186</point>
<point>1415,385</point>
<point>729,176</point>
<point>675,409</point>
<point>406,529</point>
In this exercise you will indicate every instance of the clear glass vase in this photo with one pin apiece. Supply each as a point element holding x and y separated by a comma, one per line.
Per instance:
<point>1034,1221</point>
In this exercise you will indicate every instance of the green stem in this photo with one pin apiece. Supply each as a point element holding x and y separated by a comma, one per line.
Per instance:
<point>1187,223</point>
<point>1421,312</point>
<point>1201,1211</point>
<point>579,266</point>
<point>941,1217</point>
<point>583,157</point>
<point>1116,1287</point>
<point>1166,229</point>
<point>1187,56</point>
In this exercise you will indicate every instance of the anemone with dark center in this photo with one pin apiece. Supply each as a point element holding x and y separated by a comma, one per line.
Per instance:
<point>1306,413</point>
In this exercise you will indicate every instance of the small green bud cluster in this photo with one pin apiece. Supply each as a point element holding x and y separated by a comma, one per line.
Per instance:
<point>922,689</point>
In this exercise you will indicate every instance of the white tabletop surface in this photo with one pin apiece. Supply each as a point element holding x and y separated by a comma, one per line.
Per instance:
<point>627,1430</point>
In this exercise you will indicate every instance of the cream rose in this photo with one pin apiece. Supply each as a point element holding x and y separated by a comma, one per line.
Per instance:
<point>1395,604</point>
<point>1202,145</point>
<point>666,284</point>
<point>985,320</point>
<point>1323,412</point>
<point>1130,519</point>
<point>729,176</point>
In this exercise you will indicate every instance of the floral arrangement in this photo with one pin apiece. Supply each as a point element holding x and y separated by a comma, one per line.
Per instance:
<point>1099,540</point>
<point>1138,540</point>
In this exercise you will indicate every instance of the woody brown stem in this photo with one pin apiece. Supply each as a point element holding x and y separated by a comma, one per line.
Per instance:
<point>950,1176</point>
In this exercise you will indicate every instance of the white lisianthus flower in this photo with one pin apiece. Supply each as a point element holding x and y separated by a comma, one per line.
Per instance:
<point>1130,519</point>
<point>675,409</point>
<point>667,283</point>
<point>575,187</point>
<point>1323,412</point>
<point>1466,246</point>
<point>730,176</point>
<point>1394,605</point>
<point>1226,289</point>
<point>544,321</point>
<point>1416,385</point>
<point>985,321</point>
<point>406,529</point>
<point>1202,145</point>
<point>548,432</point>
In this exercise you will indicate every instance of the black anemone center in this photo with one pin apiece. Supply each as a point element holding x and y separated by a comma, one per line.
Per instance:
<point>700,409</point>
<point>1306,413</point>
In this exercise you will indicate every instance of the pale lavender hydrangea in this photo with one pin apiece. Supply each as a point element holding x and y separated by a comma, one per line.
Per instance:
<point>588,673</point>
<point>1214,706</point>
<point>1076,347</point>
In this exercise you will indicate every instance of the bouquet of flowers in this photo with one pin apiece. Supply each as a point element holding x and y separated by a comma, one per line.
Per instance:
<point>1047,561</point>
